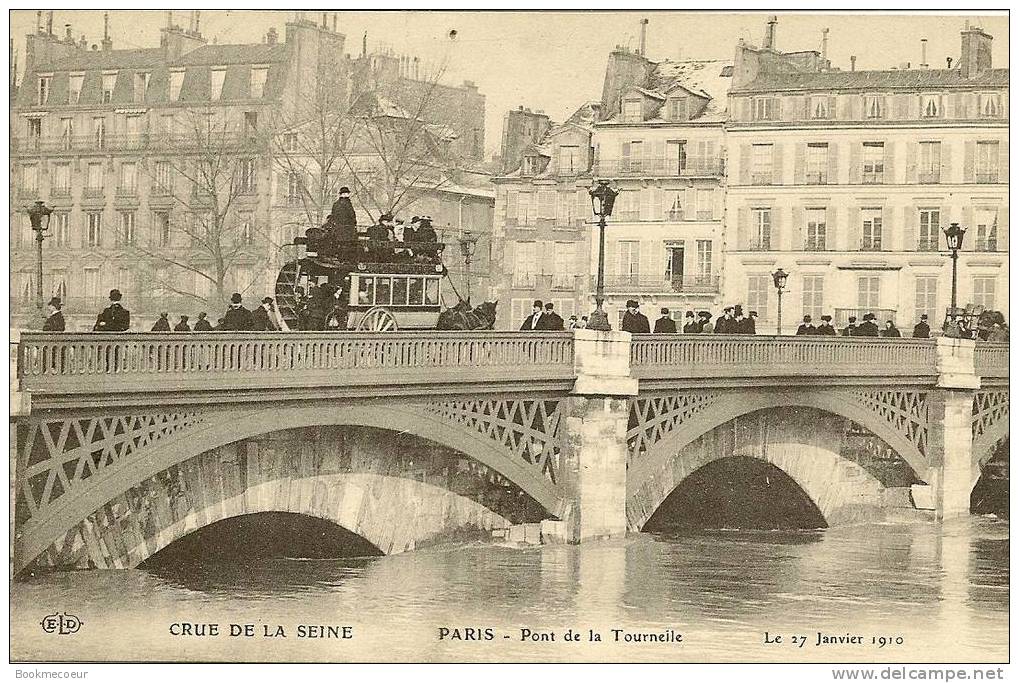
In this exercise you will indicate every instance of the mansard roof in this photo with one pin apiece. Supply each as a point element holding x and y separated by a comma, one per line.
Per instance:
<point>894,79</point>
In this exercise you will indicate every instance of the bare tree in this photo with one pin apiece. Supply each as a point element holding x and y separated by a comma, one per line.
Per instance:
<point>211,165</point>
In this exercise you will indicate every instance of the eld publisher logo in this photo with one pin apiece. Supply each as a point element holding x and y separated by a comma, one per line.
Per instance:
<point>61,623</point>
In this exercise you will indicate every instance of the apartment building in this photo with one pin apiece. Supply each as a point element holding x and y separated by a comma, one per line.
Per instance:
<point>846,179</point>
<point>663,148</point>
<point>542,228</point>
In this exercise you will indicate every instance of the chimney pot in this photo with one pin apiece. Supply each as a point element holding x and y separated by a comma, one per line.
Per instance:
<point>948,61</point>
<point>49,23</point>
<point>67,33</point>
<point>852,62</point>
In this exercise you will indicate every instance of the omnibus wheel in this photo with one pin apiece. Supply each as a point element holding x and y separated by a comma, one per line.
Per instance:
<point>377,319</point>
<point>286,292</point>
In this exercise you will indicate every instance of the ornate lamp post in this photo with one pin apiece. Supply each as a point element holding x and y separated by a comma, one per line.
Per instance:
<point>954,234</point>
<point>780,277</point>
<point>36,213</point>
<point>468,247</point>
<point>603,198</point>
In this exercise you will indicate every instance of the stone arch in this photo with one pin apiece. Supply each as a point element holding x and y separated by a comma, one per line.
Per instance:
<point>797,442</point>
<point>230,426</point>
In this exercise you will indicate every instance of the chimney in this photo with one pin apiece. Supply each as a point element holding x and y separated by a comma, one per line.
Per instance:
<point>325,20</point>
<point>107,43</point>
<point>417,63</point>
<point>198,22</point>
<point>923,54</point>
<point>852,62</point>
<point>770,42</point>
<point>67,33</point>
<point>643,37</point>
<point>976,52</point>
<point>271,37</point>
<point>83,43</point>
<point>335,14</point>
<point>191,22</point>
<point>364,44</point>
<point>49,23</point>
<point>38,21</point>
<point>824,46</point>
<point>169,18</point>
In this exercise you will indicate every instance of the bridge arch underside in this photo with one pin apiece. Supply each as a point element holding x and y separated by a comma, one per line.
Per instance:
<point>369,470</point>
<point>848,473</point>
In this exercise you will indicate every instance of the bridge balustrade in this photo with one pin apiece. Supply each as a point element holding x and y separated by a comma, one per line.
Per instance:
<point>669,356</point>
<point>87,363</point>
<point>990,359</point>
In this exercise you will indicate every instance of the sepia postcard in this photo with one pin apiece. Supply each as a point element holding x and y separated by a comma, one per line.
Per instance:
<point>510,337</point>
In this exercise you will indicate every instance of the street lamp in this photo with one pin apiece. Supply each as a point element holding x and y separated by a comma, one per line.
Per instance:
<point>36,212</point>
<point>953,236</point>
<point>603,198</point>
<point>780,277</point>
<point>468,247</point>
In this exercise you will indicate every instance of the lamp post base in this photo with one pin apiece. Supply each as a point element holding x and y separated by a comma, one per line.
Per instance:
<point>599,321</point>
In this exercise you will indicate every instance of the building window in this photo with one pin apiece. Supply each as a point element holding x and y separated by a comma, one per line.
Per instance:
<point>141,86</point>
<point>109,83</point>
<point>546,204</point>
<point>705,205</point>
<point>930,163</point>
<point>817,228</point>
<point>164,178</point>
<point>813,295</point>
<point>987,161</point>
<point>127,228</point>
<point>294,192</point>
<point>704,266</point>
<point>166,126</point>
<point>61,229</point>
<point>531,165</point>
<point>74,88</point>
<point>43,90</point>
<point>525,209</point>
<point>868,288</point>
<point>765,108</point>
<point>29,180</point>
<point>218,77</point>
<point>983,292</point>
<point>817,163</point>
<point>66,133</point>
<point>565,266</point>
<point>874,106</point>
<point>675,157</point>
<point>632,110</point>
<point>35,129</point>
<point>99,132</point>
<point>633,156</point>
<point>567,203</point>
<point>758,287</point>
<point>926,298</point>
<point>990,105</point>
<point>628,203</point>
<point>133,127</point>
<point>247,173</point>
<point>94,228</point>
<point>820,107</point>
<point>679,109</point>
<point>128,178</point>
<point>569,160</point>
<point>176,81</point>
<point>161,220</point>
<point>525,264</point>
<point>59,286</point>
<point>250,122</point>
<point>246,234</point>
<point>760,230</point>
<point>987,229</point>
<point>762,164</point>
<point>930,227</point>
<point>95,179</point>
<point>930,106</point>
<point>290,142</point>
<point>91,283</point>
<point>258,78</point>
<point>674,205</point>
<point>873,163</point>
<point>872,221</point>
<point>629,262</point>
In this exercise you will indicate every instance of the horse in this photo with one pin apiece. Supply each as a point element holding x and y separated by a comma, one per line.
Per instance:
<point>463,317</point>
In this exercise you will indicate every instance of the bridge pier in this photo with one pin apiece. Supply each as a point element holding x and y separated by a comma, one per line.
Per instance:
<point>596,422</point>
<point>950,436</point>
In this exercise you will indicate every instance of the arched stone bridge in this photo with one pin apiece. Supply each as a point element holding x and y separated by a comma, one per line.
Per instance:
<point>127,442</point>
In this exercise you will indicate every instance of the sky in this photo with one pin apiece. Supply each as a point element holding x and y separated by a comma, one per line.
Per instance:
<point>555,61</point>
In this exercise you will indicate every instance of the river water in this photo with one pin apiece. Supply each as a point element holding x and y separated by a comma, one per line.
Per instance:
<point>934,594</point>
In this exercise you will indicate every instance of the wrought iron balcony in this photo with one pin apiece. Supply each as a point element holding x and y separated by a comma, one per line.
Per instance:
<point>658,284</point>
<point>692,167</point>
<point>137,141</point>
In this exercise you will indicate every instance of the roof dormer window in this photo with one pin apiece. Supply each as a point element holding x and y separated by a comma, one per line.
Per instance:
<point>820,107</point>
<point>632,110</point>
<point>141,86</point>
<point>990,105</point>
<point>679,108</point>
<point>531,165</point>
<point>43,89</point>
<point>75,81</point>
<point>874,106</point>
<point>930,106</point>
<point>176,81</point>
<point>218,77</point>
<point>109,83</point>
<point>258,78</point>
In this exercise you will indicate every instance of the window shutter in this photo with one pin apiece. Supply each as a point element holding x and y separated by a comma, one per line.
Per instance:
<point>1003,161</point>
<point>1003,228</point>
<point>743,229</point>
<point>805,108</point>
<point>611,257</point>
<point>690,204</point>
<point>855,150</point>
<point>800,164</point>
<point>889,161</point>
<point>902,106</point>
<point>647,203</point>
<point>744,108</point>
<point>626,150</point>
<point>511,204</point>
<point>968,158</point>
<point>799,231</point>
<point>967,221</point>
<point>912,149</point>
<point>946,162</point>
<point>833,163</point>
<point>831,228</point>
<point>961,105</point>
<point>548,252</point>
<point>832,102</point>
<point>855,230</point>
<point>659,151</point>
<point>777,174</point>
<point>744,163</point>
<point>911,231</point>
<point>948,103</point>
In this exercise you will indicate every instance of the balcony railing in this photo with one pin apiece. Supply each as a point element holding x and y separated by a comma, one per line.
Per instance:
<point>648,284</point>
<point>990,359</point>
<point>138,363</point>
<point>931,178</point>
<point>987,177</point>
<point>987,244</point>
<point>927,244</point>
<point>60,191</point>
<point>128,191</point>
<point>691,168</point>
<point>694,356</point>
<point>93,192</point>
<point>138,141</point>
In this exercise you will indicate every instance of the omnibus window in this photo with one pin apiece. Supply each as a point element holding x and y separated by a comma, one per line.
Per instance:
<point>431,291</point>
<point>416,293</point>
<point>366,291</point>
<point>383,291</point>
<point>399,291</point>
